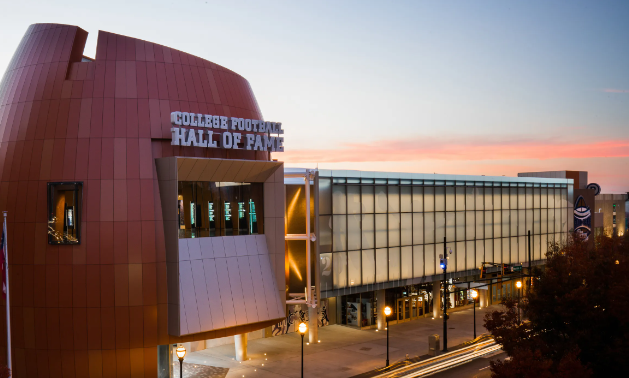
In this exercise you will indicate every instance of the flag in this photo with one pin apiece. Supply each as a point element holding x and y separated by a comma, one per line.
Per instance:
<point>3,266</point>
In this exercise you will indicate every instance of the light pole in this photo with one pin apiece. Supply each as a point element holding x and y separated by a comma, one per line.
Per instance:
<point>474,295</point>
<point>519,286</point>
<point>443,263</point>
<point>303,328</point>
<point>181,353</point>
<point>387,312</point>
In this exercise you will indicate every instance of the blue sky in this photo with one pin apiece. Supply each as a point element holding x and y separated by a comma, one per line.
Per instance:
<point>475,87</point>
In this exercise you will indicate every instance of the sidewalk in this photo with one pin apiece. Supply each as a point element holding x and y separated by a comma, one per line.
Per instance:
<point>343,351</point>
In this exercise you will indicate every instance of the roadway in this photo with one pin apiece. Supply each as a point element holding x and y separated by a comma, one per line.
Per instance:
<point>478,368</point>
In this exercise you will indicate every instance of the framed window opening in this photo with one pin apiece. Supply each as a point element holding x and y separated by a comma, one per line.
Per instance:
<point>64,212</point>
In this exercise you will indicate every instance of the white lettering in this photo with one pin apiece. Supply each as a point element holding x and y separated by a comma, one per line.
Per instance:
<point>227,139</point>
<point>258,145</point>
<point>175,118</point>
<point>192,138</point>
<point>250,139</point>
<point>269,143</point>
<point>179,135</point>
<point>237,138</point>
<point>185,118</point>
<point>201,142</point>
<point>234,140</point>
<point>210,142</point>
<point>280,144</point>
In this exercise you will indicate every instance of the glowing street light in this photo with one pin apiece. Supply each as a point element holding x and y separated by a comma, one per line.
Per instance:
<point>519,286</point>
<point>181,353</point>
<point>387,312</point>
<point>474,295</point>
<point>303,328</point>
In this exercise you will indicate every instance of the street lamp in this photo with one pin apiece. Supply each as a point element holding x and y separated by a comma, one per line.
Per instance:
<point>387,312</point>
<point>181,353</point>
<point>443,263</point>
<point>519,286</point>
<point>303,328</point>
<point>474,295</point>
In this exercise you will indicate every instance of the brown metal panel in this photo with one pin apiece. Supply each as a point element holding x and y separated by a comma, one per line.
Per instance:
<point>95,361</point>
<point>123,363</point>
<point>60,139</point>
<point>109,363</point>
<point>185,168</point>
<point>122,327</point>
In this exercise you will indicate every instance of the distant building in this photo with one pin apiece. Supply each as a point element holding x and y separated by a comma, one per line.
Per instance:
<point>593,212</point>
<point>612,218</point>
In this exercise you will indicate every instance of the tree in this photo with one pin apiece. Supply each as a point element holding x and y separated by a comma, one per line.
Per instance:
<point>577,311</point>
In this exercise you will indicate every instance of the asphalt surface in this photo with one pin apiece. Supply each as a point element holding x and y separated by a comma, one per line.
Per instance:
<point>478,368</point>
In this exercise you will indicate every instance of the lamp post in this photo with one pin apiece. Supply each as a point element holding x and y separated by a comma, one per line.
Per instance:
<point>181,353</point>
<point>443,263</point>
<point>519,286</point>
<point>303,328</point>
<point>387,312</point>
<point>474,295</point>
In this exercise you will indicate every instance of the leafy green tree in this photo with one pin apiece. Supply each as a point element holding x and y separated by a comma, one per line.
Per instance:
<point>578,315</point>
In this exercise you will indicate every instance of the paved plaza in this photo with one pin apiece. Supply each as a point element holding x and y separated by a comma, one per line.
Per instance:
<point>343,351</point>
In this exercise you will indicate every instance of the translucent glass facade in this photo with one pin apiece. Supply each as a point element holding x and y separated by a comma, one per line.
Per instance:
<point>376,229</point>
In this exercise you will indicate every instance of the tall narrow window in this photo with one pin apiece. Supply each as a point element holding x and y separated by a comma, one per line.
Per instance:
<point>64,212</point>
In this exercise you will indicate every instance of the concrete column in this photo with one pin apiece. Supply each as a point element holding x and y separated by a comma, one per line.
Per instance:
<point>241,347</point>
<point>313,325</point>
<point>482,294</point>
<point>437,306</point>
<point>381,300</point>
<point>165,361</point>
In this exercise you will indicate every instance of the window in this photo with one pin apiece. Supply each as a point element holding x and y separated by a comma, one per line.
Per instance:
<point>219,209</point>
<point>64,212</point>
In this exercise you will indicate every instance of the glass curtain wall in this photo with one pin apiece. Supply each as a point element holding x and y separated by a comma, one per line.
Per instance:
<point>219,209</point>
<point>378,230</point>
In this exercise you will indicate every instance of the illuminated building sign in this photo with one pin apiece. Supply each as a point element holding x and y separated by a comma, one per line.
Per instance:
<point>228,211</point>
<point>582,218</point>
<point>226,132</point>
<point>210,211</point>
<point>241,210</point>
<point>192,215</point>
<point>253,221</point>
<point>70,216</point>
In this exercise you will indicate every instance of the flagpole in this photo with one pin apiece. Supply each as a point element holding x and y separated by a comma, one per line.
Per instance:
<point>6,278</point>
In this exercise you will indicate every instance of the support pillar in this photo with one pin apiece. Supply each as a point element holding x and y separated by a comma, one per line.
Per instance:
<point>483,296</point>
<point>240,342</point>
<point>381,303</point>
<point>165,361</point>
<point>313,325</point>
<point>437,306</point>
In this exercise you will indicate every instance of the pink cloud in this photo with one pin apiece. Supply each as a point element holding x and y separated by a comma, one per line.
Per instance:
<point>418,149</point>
<point>614,90</point>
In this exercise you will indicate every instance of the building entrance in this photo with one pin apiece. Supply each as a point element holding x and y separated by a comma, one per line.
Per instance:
<point>410,308</point>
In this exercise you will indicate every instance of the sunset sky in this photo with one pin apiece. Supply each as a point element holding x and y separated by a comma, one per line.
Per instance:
<point>470,87</point>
